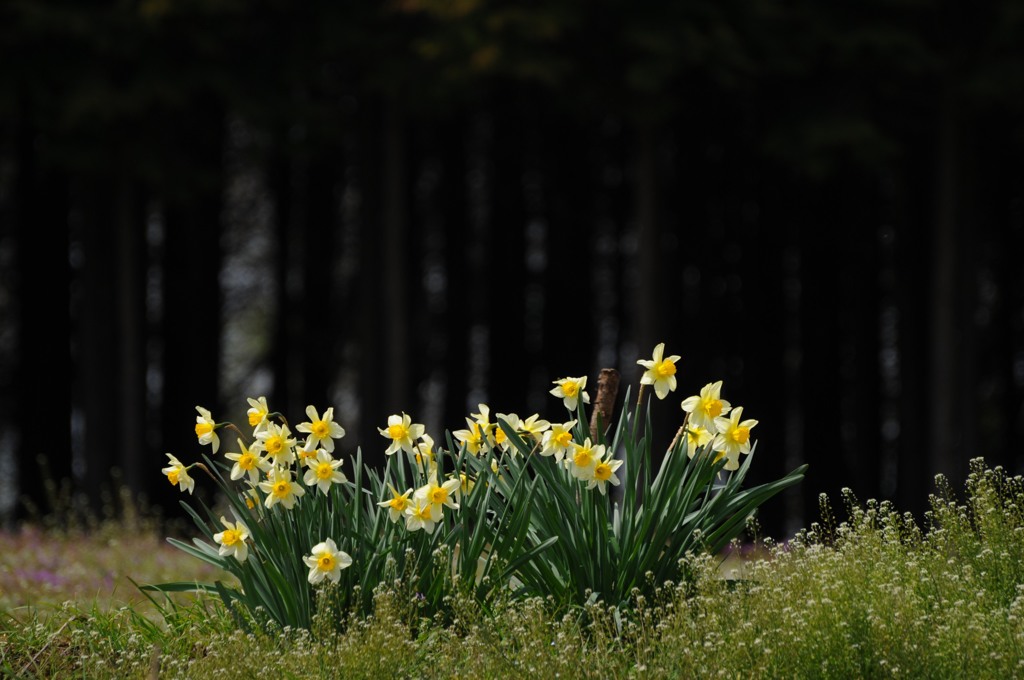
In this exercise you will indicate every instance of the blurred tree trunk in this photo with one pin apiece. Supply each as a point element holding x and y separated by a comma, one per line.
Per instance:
<point>44,375</point>
<point>944,426</point>
<point>504,255</point>
<point>114,335</point>
<point>455,319</point>
<point>191,323</point>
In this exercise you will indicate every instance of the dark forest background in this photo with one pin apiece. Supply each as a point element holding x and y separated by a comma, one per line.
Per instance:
<point>422,205</point>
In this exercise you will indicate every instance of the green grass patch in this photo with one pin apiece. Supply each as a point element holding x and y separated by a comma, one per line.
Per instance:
<point>873,594</point>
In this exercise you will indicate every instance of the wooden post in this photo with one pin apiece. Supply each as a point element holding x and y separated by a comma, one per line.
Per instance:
<point>607,390</point>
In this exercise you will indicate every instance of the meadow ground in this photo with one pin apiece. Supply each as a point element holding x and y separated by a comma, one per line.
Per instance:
<point>869,594</point>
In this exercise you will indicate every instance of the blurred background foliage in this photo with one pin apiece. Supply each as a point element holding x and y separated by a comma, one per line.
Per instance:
<point>422,205</point>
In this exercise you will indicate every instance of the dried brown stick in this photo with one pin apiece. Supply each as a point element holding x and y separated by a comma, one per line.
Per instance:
<point>607,391</point>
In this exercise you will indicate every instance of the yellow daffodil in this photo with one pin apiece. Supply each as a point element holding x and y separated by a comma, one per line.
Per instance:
<point>326,561</point>
<point>177,473</point>
<point>696,437</point>
<point>439,495</point>
<point>534,428</point>
<point>661,371</point>
<point>557,440</point>
<point>571,391</point>
<point>277,442</point>
<point>706,407</point>
<point>733,437</point>
<point>258,412</point>
<point>246,463</point>
<point>473,438</point>
<point>583,459</point>
<point>206,429</point>
<point>323,471</point>
<point>321,431</point>
<point>232,539</point>
<point>280,488</point>
<point>397,504</point>
<point>603,473</point>
<point>402,432</point>
<point>419,515</point>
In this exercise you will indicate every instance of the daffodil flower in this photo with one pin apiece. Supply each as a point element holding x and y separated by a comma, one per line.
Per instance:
<point>257,413</point>
<point>326,561</point>
<point>584,457</point>
<point>323,471</point>
<point>706,407</point>
<point>206,428</point>
<point>439,495</point>
<point>322,431</point>
<point>232,540</point>
<point>696,437</point>
<point>280,488</point>
<point>570,391</point>
<point>420,515</point>
<point>177,473</point>
<point>603,473</point>
<point>402,432</point>
<point>733,437</point>
<point>246,463</point>
<point>661,371</point>
<point>397,504</point>
<point>557,440</point>
<point>277,442</point>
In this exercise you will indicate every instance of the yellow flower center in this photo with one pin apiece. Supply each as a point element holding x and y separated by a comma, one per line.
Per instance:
<point>281,489</point>
<point>740,435</point>
<point>665,368</point>
<point>173,476</point>
<point>326,562</point>
<point>570,388</point>
<point>398,431</point>
<point>320,429</point>
<point>203,428</point>
<point>499,435</point>
<point>712,407</point>
<point>584,457</point>
<point>250,503</point>
<point>324,471</point>
<point>423,512</point>
<point>275,444</point>
<point>563,439</point>
<point>247,461</point>
<point>438,495</point>
<point>603,472</point>
<point>231,537</point>
<point>256,416</point>
<point>399,503</point>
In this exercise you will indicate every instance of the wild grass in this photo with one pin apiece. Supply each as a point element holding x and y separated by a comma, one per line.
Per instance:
<point>873,594</point>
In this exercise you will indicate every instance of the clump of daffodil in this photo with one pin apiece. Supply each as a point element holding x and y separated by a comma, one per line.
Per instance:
<point>326,562</point>
<point>661,371</point>
<point>177,473</point>
<point>571,391</point>
<point>402,432</point>
<point>583,459</point>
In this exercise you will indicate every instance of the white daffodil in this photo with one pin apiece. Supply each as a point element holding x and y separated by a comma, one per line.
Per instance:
<point>323,471</point>
<point>402,432</point>
<point>206,429</point>
<point>246,463</point>
<point>733,437</point>
<point>280,488</point>
<point>177,473</point>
